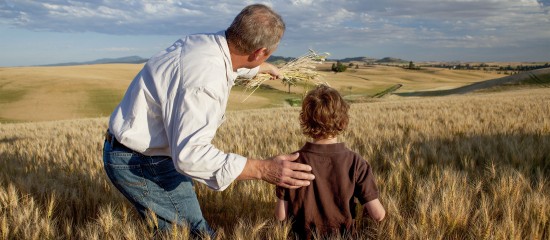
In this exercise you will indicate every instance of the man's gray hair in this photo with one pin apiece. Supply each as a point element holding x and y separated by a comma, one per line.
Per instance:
<point>257,26</point>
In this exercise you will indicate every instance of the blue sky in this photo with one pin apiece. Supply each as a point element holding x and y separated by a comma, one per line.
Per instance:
<point>55,31</point>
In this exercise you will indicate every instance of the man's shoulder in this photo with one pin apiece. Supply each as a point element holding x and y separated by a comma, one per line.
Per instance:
<point>205,36</point>
<point>197,58</point>
<point>209,42</point>
<point>192,46</point>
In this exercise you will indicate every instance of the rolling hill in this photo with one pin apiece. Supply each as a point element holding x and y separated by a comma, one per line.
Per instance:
<point>130,59</point>
<point>93,90</point>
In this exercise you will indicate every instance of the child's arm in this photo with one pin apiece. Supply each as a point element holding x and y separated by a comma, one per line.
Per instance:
<point>281,209</point>
<point>375,209</point>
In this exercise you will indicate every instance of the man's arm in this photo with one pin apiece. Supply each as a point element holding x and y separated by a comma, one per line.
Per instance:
<point>279,170</point>
<point>270,69</point>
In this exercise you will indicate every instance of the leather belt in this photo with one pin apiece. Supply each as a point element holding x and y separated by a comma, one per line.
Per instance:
<point>111,139</point>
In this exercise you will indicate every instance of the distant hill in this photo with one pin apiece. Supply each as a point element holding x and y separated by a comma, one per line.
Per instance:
<point>137,59</point>
<point>277,60</point>
<point>280,58</point>
<point>538,76</point>
<point>357,59</point>
<point>130,59</point>
<point>370,60</point>
<point>391,60</point>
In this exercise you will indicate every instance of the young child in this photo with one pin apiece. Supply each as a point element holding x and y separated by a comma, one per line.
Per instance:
<point>327,206</point>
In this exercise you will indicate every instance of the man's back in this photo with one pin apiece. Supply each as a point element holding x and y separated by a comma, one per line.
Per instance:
<point>151,97</point>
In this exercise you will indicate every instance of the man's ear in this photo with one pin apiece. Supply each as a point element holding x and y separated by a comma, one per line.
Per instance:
<point>261,52</point>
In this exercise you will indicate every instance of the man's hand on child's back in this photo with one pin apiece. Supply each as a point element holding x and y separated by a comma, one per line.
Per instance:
<point>280,170</point>
<point>283,171</point>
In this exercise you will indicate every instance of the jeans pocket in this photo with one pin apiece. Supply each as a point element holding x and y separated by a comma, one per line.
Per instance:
<point>167,177</point>
<point>127,178</point>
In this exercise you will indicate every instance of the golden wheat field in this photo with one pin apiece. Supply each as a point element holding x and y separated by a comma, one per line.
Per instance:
<point>459,167</point>
<point>89,91</point>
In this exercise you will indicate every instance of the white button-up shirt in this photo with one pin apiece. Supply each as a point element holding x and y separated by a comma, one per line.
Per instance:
<point>175,104</point>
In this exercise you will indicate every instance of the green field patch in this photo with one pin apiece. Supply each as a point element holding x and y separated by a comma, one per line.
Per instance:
<point>9,95</point>
<point>275,97</point>
<point>294,102</point>
<point>101,102</point>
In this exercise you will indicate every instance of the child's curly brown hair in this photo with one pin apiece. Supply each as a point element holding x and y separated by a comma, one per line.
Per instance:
<point>324,113</point>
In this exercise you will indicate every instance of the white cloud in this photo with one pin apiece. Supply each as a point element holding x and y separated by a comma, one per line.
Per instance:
<point>301,2</point>
<point>423,23</point>
<point>115,17</point>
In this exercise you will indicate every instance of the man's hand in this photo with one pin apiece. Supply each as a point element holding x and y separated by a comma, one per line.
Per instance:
<point>270,69</point>
<point>280,170</point>
<point>283,171</point>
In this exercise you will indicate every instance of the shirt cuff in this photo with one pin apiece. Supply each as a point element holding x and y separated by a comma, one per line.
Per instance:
<point>248,73</point>
<point>233,167</point>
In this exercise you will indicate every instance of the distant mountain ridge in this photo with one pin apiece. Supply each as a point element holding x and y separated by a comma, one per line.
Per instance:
<point>371,60</point>
<point>354,59</point>
<point>391,60</point>
<point>129,59</point>
<point>271,59</point>
<point>280,58</point>
<point>349,59</point>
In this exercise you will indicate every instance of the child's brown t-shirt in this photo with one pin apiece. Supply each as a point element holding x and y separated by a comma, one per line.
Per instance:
<point>327,205</point>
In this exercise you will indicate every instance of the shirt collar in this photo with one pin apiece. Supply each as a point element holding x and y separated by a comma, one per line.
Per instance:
<point>324,148</point>
<point>222,41</point>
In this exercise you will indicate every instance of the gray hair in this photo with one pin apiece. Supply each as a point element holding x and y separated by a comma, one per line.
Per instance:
<point>257,26</point>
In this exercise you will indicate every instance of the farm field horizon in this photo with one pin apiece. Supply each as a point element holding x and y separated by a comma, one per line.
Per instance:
<point>84,91</point>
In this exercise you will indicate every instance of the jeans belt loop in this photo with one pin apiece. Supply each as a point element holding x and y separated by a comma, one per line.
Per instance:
<point>109,137</point>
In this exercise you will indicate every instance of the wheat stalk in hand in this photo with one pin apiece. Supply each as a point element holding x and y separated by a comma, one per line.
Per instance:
<point>298,70</point>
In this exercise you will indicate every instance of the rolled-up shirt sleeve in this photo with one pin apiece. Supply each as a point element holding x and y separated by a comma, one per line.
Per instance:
<point>248,73</point>
<point>197,114</point>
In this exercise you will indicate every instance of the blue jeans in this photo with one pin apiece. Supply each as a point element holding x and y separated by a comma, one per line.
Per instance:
<point>152,183</point>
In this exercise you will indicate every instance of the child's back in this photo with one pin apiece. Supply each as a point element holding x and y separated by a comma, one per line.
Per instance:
<point>327,206</point>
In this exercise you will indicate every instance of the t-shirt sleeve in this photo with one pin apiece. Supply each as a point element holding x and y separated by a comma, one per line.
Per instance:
<point>365,183</point>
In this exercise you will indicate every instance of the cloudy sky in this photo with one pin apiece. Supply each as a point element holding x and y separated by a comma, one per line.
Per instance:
<point>54,31</point>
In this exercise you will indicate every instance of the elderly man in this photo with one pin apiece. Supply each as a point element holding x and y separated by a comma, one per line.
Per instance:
<point>159,136</point>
